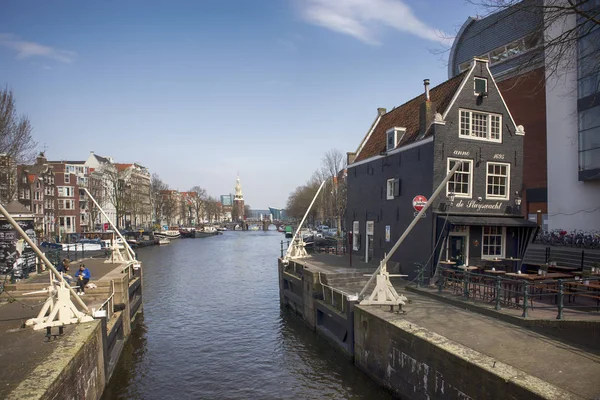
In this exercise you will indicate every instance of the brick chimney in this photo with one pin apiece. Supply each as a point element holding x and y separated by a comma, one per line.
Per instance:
<point>426,110</point>
<point>381,111</point>
<point>350,157</point>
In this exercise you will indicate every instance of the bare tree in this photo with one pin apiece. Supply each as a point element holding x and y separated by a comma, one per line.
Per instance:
<point>156,198</point>
<point>96,188</point>
<point>561,24</point>
<point>333,167</point>
<point>169,209</point>
<point>198,203</point>
<point>117,191</point>
<point>212,209</point>
<point>16,144</point>
<point>300,199</point>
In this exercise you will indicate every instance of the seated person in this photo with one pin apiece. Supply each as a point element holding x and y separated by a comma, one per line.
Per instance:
<point>63,268</point>
<point>83,276</point>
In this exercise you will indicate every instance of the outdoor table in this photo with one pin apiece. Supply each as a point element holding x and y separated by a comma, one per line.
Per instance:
<point>493,262</point>
<point>580,273</point>
<point>594,292</point>
<point>448,263</point>
<point>494,272</point>
<point>533,278</point>
<point>514,261</point>
<point>467,268</point>
<point>561,268</point>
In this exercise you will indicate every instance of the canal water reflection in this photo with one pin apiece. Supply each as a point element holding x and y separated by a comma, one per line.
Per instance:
<point>213,329</point>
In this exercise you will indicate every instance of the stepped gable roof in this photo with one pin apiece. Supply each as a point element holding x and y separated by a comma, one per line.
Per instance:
<point>407,116</point>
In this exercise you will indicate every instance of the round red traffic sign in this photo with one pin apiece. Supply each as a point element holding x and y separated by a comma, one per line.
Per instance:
<point>419,202</point>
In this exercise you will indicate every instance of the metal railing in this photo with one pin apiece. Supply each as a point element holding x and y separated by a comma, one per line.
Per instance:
<point>109,304</point>
<point>331,246</point>
<point>344,296</point>
<point>519,293</point>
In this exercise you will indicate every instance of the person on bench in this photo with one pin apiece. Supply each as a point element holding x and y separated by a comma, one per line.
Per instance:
<point>83,276</point>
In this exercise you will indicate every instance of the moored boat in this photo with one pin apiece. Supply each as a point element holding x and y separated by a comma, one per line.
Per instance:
<point>169,234</point>
<point>163,241</point>
<point>187,232</point>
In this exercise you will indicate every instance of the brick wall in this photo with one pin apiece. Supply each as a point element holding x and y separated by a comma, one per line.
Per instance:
<point>526,99</point>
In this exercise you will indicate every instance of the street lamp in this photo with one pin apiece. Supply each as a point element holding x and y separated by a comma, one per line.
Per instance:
<point>517,200</point>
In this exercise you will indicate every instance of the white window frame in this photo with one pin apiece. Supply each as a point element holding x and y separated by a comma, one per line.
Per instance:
<point>390,189</point>
<point>475,92</point>
<point>470,136</point>
<point>493,196</point>
<point>397,138</point>
<point>448,168</point>
<point>502,245</point>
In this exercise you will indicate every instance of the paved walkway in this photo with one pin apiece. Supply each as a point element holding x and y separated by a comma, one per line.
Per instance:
<point>23,349</point>
<point>561,365</point>
<point>331,263</point>
<point>98,269</point>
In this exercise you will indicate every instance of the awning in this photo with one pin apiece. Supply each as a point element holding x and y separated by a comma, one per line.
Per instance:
<point>490,221</point>
<point>526,230</point>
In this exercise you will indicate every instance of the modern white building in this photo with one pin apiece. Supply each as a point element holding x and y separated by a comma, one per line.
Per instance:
<point>573,129</point>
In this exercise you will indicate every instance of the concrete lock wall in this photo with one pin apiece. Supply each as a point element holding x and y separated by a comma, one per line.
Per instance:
<point>73,371</point>
<point>419,364</point>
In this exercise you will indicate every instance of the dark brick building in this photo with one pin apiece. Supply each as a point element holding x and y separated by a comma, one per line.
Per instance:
<point>67,200</point>
<point>408,152</point>
<point>511,40</point>
<point>37,193</point>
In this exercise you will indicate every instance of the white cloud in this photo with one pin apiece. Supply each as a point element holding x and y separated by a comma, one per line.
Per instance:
<point>360,18</point>
<point>27,49</point>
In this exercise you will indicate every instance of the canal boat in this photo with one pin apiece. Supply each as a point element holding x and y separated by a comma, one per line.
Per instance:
<point>289,232</point>
<point>187,232</point>
<point>163,241</point>
<point>168,234</point>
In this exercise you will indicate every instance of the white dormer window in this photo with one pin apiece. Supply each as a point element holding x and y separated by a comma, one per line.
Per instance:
<point>394,136</point>
<point>480,86</point>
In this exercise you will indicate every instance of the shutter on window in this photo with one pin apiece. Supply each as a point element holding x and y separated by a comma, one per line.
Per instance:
<point>396,187</point>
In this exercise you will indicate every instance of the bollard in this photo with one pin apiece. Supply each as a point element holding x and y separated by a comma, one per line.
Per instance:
<point>525,298</point>
<point>498,290</point>
<point>466,284</point>
<point>560,299</point>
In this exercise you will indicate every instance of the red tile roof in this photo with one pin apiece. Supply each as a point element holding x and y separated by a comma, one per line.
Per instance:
<point>407,116</point>
<point>123,167</point>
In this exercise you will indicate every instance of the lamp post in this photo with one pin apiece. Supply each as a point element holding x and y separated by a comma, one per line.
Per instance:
<point>518,201</point>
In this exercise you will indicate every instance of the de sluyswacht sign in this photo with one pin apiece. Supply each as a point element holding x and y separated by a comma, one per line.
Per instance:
<point>475,205</point>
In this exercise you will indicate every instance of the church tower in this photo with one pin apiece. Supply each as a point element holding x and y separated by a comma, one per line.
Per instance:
<point>238,201</point>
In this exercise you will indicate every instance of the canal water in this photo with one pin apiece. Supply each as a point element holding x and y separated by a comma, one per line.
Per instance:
<point>212,328</point>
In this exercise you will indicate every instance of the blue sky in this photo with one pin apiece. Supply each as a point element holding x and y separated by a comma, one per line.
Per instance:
<point>201,90</point>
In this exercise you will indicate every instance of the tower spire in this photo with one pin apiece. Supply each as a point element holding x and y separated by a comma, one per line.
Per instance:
<point>238,189</point>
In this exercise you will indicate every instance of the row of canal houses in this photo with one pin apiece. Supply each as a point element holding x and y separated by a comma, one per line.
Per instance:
<point>408,152</point>
<point>52,192</point>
